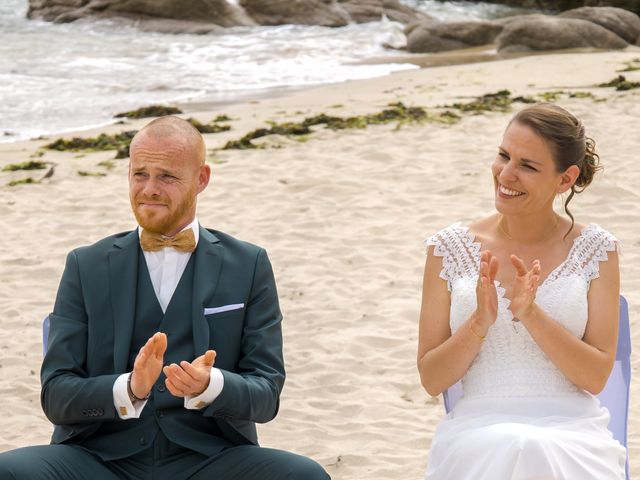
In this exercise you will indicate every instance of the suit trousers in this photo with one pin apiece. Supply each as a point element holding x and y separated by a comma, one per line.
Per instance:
<point>163,460</point>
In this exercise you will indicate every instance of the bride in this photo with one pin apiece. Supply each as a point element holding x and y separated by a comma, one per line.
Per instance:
<point>523,307</point>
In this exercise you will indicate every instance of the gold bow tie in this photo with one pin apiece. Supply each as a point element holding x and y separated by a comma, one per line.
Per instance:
<point>183,242</point>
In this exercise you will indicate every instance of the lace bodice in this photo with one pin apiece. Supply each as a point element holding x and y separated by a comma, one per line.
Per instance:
<point>510,363</point>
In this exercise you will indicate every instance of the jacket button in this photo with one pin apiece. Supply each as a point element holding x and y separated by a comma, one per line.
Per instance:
<point>160,413</point>
<point>143,441</point>
<point>161,388</point>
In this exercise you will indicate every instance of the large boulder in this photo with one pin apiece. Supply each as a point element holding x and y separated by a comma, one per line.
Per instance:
<point>562,5</point>
<point>363,11</point>
<point>49,10</point>
<point>622,22</point>
<point>301,12</point>
<point>553,33</point>
<point>439,37</point>
<point>217,12</point>
<point>226,13</point>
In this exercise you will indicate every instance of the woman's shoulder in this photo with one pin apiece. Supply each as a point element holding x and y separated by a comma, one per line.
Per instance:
<point>455,230</point>
<point>594,235</point>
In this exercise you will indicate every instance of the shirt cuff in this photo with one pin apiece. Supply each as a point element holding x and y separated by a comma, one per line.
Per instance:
<point>125,408</point>
<point>206,398</point>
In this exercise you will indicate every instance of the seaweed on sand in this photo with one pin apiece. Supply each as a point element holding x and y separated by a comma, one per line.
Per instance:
<point>212,127</point>
<point>397,112</point>
<point>84,173</point>
<point>23,181</point>
<point>499,101</point>
<point>30,165</point>
<point>100,143</point>
<point>621,84</point>
<point>150,111</point>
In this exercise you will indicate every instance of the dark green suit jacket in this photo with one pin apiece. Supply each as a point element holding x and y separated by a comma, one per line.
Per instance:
<point>93,320</point>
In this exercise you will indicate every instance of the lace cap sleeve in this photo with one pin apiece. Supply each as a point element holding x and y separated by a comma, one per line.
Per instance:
<point>591,248</point>
<point>458,250</point>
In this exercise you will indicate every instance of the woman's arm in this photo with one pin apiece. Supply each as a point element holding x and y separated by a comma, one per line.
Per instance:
<point>587,362</point>
<point>444,358</point>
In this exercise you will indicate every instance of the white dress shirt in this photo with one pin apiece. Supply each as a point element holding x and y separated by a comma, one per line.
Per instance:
<point>165,269</point>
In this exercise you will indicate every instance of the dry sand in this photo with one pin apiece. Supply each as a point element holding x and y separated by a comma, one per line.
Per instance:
<point>342,215</point>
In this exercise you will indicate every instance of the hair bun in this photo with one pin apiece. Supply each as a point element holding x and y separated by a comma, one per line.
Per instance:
<point>589,165</point>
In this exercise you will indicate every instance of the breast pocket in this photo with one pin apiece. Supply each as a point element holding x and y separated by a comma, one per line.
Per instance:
<point>225,330</point>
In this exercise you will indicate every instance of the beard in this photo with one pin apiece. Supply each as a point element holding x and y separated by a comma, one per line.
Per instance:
<point>166,222</point>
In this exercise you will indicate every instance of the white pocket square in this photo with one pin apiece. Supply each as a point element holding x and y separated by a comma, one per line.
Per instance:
<point>223,308</point>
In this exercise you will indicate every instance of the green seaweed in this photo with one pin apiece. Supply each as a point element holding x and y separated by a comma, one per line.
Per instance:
<point>499,101</point>
<point>22,181</point>
<point>287,128</point>
<point>108,164</point>
<point>208,128</point>
<point>84,173</point>
<point>621,84</point>
<point>30,165</point>
<point>582,95</point>
<point>551,96</point>
<point>100,143</point>
<point>398,112</point>
<point>150,111</point>
<point>631,66</point>
<point>222,118</point>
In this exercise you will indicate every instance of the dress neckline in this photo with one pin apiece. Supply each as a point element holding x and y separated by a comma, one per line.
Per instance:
<point>472,239</point>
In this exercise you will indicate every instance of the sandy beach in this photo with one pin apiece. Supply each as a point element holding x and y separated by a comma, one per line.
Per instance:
<point>343,215</point>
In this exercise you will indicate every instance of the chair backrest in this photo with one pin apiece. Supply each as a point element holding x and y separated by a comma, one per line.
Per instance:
<point>45,334</point>
<point>615,395</point>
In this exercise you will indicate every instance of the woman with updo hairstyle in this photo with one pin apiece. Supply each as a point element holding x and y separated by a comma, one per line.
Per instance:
<point>522,306</point>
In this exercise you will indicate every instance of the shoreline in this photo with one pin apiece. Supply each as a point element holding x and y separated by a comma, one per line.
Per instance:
<point>342,215</point>
<point>214,102</point>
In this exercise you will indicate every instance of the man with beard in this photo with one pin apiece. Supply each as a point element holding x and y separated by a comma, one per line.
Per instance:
<point>165,345</point>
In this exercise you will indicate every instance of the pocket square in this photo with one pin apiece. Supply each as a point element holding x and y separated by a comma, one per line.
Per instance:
<point>223,308</point>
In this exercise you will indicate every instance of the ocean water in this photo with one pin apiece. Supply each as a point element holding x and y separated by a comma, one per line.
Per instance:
<point>60,78</point>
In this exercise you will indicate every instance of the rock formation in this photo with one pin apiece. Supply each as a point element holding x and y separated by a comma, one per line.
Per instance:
<point>202,16</point>
<point>585,27</point>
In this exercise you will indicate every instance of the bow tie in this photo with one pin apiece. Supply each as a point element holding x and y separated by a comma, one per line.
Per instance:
<point>153,242</point>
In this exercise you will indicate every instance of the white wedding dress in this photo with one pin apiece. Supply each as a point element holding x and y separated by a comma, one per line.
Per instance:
<point>520,418</point>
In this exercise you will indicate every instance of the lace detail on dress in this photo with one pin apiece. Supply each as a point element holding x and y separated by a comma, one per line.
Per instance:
<point>460,253</point>
<point>589,249</point>
<point>510,363</point>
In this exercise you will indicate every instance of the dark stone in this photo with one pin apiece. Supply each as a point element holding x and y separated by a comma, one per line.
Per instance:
<point>299,12</point>
<point>202,16</point>
<point>622,22</point>
<point>440,37</point>
<point>553,33</point>
<point>363,11</point>
<point>217,12</point>
<point>562,5</point>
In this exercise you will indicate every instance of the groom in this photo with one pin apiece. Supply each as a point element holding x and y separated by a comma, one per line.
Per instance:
<point>165,345</point>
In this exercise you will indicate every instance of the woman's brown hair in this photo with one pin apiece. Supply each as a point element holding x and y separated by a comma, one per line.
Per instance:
<point>565,136</point>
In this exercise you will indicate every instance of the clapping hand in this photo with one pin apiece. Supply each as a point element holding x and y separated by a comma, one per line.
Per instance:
<point>525,286</point>
<point>148,365</point>
<point>486,295</point>
<point>190,379</point>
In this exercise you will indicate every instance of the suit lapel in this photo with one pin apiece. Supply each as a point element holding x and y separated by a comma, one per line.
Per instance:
<point>123,276</point>
<point>207,267</point>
